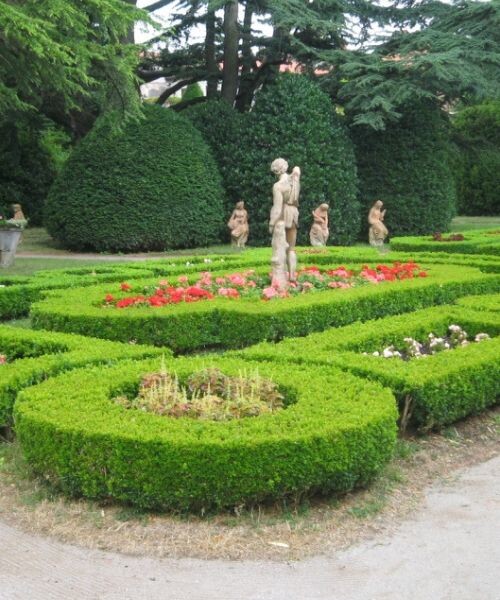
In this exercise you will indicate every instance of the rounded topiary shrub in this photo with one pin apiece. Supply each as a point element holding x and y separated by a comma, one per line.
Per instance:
<point>477,134</point>
<point>152,186</point>
<point>220,125</point>
<point>293,119</point>
<point>407,167</point>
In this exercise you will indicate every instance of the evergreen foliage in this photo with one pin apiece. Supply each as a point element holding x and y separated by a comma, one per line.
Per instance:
<point>220,125</point>
<point>407,167</point>
<point>26,170</point>
<point>293,119</point>
<point>477,133</point>
<point>152,186</point>
<point>191,92</point>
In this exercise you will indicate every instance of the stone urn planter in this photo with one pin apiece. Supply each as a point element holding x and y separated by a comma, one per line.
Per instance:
<point>9,239</point>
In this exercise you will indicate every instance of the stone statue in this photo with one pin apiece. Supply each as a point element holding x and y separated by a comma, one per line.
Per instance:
<point>319,230</point>
<point>284,216</point>
<point>378,231</point>
<point>238,224</point>
<point>18,213</point>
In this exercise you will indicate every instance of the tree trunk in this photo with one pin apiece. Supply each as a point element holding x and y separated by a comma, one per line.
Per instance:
<point>210,58</point>
<point>231,39</point>
<point>244,99</point>
<point>129,38</point>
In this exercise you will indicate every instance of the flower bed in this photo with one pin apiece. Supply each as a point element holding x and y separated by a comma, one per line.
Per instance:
<point>410,348</point>
<point>431,392</point>
<point>477,242</point>
<point>32,356</point>
<point>231,324</point>
<point>249,284</point>
<point>336,432</point>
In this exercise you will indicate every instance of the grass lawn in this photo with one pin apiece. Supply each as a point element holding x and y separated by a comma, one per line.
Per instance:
<point>468,223</point>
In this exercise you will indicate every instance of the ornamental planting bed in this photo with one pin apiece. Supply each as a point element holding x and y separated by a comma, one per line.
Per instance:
<point>335,432</point>
<point>486,241</point>
<point>432,391</point>
<point>32,356</point>
<point>231,323</point>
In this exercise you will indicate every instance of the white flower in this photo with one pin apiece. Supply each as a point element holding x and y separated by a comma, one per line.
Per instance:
<point>207,261</point>
<point>481,336</point>
<point>376,353</point>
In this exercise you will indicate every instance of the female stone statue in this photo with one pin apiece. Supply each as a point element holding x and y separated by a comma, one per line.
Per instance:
<point>319,230</point>
<point>378,231</point>
<point>238,224</point>
<point>284,211</point>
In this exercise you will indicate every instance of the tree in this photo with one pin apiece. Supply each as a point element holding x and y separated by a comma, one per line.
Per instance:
<point>61,52</point>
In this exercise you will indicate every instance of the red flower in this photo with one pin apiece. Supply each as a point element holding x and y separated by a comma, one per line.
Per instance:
<point>109,298</point>
<point>125,287</point>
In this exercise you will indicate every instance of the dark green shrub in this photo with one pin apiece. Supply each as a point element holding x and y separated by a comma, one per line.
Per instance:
<point>153,186</point>
<point>220,125</point>
<point>236,323</point>
<point>407,167</point>
<point>26,170</point>
<point>433,390</point>
<point>293,119</point>
<point>477,137</point>
<point>475,242</point>
<point>36,355</point>
<point>337,433</point>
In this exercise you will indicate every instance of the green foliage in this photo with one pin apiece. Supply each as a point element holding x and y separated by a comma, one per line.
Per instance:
<point>231,324</point>
<point>437,390</point>
<point>220,125</point>
<point>475,242</point>
<point>58,52</point>
<point>293,119</point>
<point>33,356</point>
<point>150,187</point>
<point>407,167</point>
<point>477,134</point>
<point>27,169</point>
<point>191,92</point>
<point>336,433</point>
<point>486,302</point>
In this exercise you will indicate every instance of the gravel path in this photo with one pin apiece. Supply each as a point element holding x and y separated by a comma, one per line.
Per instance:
<point>449,551</point>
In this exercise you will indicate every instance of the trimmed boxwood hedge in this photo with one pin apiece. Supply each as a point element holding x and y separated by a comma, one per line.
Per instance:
<point>236,323</point>
<point>440,389</point>
<point>152,186</point>
<point>37,355</point>
<point>485,241</point>
<point>337,433</point>
<point>487,302</point>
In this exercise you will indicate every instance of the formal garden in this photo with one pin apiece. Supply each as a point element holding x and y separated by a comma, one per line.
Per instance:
<point>254,295</point>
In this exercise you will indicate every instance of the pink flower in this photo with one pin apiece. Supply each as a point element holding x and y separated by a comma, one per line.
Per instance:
<point>237,279</point>
<point>3,358</point>
<point>220,280</point>
<point>307,285</point>
<point>269,292</point>
<point>182,279</point>
<point>163,283</point>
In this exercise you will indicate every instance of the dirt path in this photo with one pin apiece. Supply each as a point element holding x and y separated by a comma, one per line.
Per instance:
<point>449,551</point>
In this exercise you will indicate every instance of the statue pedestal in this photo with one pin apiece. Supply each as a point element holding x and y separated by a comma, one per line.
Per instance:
<point>9,239</point>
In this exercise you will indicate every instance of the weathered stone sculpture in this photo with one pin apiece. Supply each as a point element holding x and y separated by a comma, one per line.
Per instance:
<point>238,224</point>
<point>283,223</point>
<point>378,231</point>
<point>18,213</point>
<point>319,230</point>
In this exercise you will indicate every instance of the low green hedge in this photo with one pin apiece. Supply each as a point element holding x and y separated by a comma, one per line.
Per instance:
<point>437,390</point>
<point>487,302</point>
<point>485,241</point>
<point>237,323</point>
<point>337,433</point>
<point>36,355</point>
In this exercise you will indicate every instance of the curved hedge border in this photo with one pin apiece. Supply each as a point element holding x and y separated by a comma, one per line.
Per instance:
<point>475,242</point>
<point>41,354</point>
<point>231,324</point>
<point>488,302</point>
<point>440,389</point>
<point>337,434</point>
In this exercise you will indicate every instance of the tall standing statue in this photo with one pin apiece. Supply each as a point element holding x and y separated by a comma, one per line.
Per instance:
<point>283,222</point>
<point>378,231</point>
<point>238,224</point>
<point>319,229</point>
